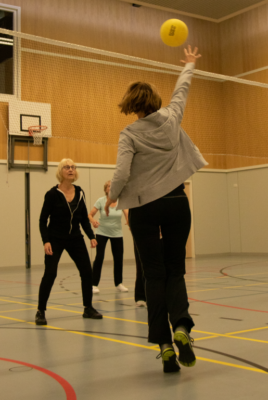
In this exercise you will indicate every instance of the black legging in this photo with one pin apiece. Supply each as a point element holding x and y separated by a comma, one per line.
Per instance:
<point>140,279</point>
<point>117,250</point>
<point>76,248</point>
<point>164,266</point>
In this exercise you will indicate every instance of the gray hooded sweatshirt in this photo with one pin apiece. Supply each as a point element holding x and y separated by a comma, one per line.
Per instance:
<point>155,155</point>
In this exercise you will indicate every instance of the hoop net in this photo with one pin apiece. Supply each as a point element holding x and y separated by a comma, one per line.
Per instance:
<point>37,133</point>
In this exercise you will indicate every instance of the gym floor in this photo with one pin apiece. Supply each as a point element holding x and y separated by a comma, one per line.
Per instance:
<point>75,358</point>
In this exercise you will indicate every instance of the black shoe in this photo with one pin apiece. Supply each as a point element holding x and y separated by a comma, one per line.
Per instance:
<point>169,360</point>
<point>184,343</point>
<point>90,312</point>
<point>40,318</point>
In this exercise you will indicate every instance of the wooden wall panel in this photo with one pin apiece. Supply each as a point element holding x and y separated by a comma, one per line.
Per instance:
<point>86,121</point>
<point>110,25</point>
<point>244,41</point>
<point>116,26</point>
<point>245,124</point>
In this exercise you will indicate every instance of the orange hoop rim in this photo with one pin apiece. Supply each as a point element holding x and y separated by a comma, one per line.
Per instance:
<point>37,129</point>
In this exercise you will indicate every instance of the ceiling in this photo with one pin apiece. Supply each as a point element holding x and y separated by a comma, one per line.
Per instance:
<point>215,10</point>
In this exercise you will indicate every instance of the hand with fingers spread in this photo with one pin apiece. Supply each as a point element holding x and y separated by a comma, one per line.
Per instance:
<point>191,56</point>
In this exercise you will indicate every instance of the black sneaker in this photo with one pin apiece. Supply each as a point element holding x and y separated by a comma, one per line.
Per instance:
<point>90,312</point>
<point>169,360</point>
<point>40,318</point>
<point>184,343</point>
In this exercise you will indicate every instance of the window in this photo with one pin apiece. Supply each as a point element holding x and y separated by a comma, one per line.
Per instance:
<point>6,54</point>
<point>9,53</point>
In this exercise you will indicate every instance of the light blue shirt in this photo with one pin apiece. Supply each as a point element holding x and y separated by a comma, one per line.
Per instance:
<point>109,226</point>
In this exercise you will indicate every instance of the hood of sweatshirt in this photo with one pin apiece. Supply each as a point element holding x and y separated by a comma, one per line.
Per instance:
<point>152,130</point>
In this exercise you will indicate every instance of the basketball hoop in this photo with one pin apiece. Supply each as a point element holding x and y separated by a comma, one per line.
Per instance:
<point>37,133</point>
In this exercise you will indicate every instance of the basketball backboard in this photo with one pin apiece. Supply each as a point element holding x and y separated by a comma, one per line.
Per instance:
<point>23,114</point>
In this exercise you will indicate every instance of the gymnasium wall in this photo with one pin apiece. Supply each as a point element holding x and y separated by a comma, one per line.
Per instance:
<point>12,217</point>
<point>213,118</point>
<point>230,211</point>
<point>95,23</point>
<point>243,45</point>
<point>210,206</point>
<point>13,222</point>
<point>227,218</point>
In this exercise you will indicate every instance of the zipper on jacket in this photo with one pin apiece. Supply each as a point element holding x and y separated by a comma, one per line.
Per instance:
<point>72,213</point>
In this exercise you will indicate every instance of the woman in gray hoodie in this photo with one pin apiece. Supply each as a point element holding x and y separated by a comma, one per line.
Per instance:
<point>155,156</point>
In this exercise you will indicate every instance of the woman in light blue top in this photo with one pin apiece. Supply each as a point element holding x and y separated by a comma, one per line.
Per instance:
<point>108,228</point>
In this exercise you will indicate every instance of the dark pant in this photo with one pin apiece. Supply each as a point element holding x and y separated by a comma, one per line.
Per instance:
<point>164,266</point>
<point>76,248</point>
<point>140,279</point>
<point>117,250</point>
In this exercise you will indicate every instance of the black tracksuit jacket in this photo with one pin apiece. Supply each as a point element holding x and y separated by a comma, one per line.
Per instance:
<point>63,222</point>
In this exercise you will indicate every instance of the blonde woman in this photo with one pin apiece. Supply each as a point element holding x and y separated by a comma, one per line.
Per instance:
<point>66,209</point>
<point>108,228</point>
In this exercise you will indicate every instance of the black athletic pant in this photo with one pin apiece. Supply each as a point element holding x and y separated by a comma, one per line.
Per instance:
<point>140,279</point>
<point>164,266</point>
<point>76,248</point>
<point>117,250</point>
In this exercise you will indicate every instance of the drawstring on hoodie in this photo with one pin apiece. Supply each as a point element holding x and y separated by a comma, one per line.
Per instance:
<point>72,212</point>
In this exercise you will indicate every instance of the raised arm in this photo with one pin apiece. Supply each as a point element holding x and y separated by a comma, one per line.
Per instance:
<point>182,86</point>
<point>91,215</point>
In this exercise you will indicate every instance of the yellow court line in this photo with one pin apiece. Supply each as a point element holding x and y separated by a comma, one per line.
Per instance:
<point>102,301</point>
<point>231,365</point>
<point>136,345</point>
<point>17,302</point>
<point>231,287</point>
<point>260,273</point>
<point>231,336</point>
<point>205,279</point>
<point>257,284</point>
<point>145,323</point>
<point>126,320</point>
<point>206,337</point>
<point>248,330</point>
<point>20,309</point>
<point>203,290</point>
<point>36,294</point>
<point>70,291</point>
<point>113,287</point>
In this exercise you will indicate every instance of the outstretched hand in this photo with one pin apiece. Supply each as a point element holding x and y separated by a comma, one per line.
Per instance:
<point>190,56</point>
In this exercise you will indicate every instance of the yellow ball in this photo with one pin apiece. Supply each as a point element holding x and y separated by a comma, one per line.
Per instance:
<point>174,32</point>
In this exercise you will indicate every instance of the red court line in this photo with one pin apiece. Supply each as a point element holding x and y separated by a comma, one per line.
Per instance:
<point>225,305</point>
<point>69,391</point>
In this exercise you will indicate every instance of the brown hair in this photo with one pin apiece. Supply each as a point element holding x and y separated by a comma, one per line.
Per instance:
<point>140,96</point>
<point>105,186</point>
